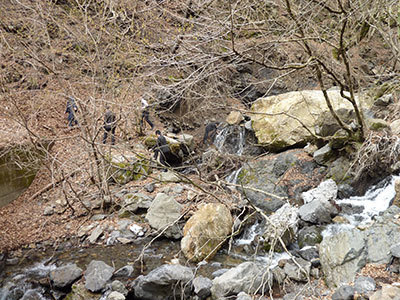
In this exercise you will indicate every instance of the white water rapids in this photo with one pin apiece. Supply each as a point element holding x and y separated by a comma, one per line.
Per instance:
<point>376,200</point>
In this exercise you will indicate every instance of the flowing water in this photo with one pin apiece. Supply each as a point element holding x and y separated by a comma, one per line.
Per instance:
<point>231,139</point>
<point>363,208</point>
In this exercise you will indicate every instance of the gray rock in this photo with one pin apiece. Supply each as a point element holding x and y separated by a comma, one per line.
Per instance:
<point>345,292</point>
<point>218,272</point>
<point>98,217</point>
<point>149,187</point>
<point>293,296</point>
<point>115,296</point>
<point>264,177</point>
<point>364,284</point>
<point>163,282</point>
<point>243,296</point>
<point>388,292</point>
<point>65,276</point>
<point>125,271</point>
<point>247,276</point>
<point>309,236</point>
<point>385,100</point>
<point>202,287</point>
<point>293,271</point>
<point>342,256</point>
<point>119,287</point>
<point>32,295</point>
<point>169,176</point>
<point>323,155</point>
<point>279,274</point>
<point>113,238</point>
<point>395,126</point>
<point>382,235</point>
<point>123,224</point>
<point>134,201</point>
<point>395,250</point>
<point>164,212</point>
<point>49,210</point>
<point>285,221</point>
<point>326,190</point>
<point>96,233</point>
<point>97,274</point>
<point>309,253</point>
<point>318,212</point>
<point>178,189</point>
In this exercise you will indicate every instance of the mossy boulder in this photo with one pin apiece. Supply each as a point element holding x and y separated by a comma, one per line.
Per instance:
<point>124,168</point>
<point>377,124</point>
<point>179,145</point>
<point>79,292</point>
<point>292,118</point>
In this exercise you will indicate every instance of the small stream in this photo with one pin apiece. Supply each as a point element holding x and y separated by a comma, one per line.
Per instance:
<point>28,276</point>
<point>360,210</point>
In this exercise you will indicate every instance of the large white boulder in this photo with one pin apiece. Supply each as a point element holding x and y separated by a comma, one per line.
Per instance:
<point>293,118</point>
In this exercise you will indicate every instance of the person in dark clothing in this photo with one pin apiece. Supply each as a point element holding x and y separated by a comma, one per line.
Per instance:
<point>109,126</point>
<point>72,108</point>
<point>161,149</point>
<point>210,131</point>
<point>145,114</point>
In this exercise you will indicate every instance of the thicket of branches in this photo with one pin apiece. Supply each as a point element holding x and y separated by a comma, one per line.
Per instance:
<point>189,57</point>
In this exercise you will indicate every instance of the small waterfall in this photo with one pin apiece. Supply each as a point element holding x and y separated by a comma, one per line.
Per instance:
<point>232,178</point>
<point>231,139</point>
<point>376,200</point>
<point>220,138</point>
<point>25,283</point>
<point>242,141</point>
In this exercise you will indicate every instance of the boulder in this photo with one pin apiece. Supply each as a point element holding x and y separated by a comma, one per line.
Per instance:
<point>127,167</point>
<point>318,212</point>
<point>395,127</point>
<point>164,213</point>
<point>79,292</point>
<point>96,233</point>
<point>396,200</point>
<point>364,284</point>
<point>345,253</point>
<point>309,253</point>
<point>234,118</point>
<point>342,256</point>
<point>269,180</point>
<point>247,277</point>
<point>323,155</point>
<point>283,224</point>
<point>384,100</point>
<point>309,236</point>
<point>345,292</point>
<point>163,282</point>
<point>377,124</point>
<point>205,232</point>
<point>293,271</point>
<point>125,271</point>
<point>97,274</point>
<point>133,201</point>
<point>388,292</point>
<point>115,296</point>
<point>169,176</point>
<point>326,190</point>
<point>243,296</point>
<point>289,119</point>
<point>119,287</point>
<point>383,234</point>
<point>65,276</point>
<point>202,287</point>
